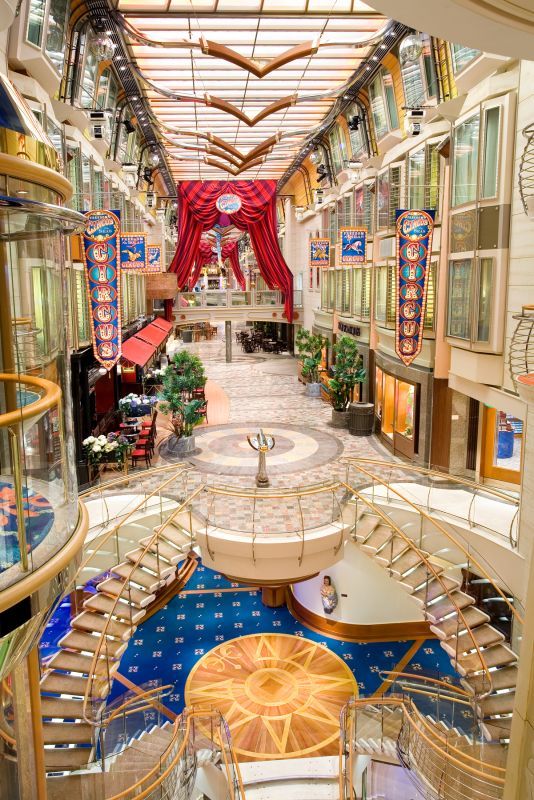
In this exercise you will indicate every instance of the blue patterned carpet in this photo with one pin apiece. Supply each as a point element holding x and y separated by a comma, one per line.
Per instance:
<point>39,518</point>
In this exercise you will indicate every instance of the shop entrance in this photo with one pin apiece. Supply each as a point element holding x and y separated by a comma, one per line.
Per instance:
<point>396,409</point>
<point>502,444</point>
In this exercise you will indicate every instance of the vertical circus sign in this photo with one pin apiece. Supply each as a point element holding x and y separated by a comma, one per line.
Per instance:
<point>414,244</point>
<point>102,272</point>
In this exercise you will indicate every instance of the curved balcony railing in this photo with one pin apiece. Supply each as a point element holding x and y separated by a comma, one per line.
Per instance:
<point>234,298</point>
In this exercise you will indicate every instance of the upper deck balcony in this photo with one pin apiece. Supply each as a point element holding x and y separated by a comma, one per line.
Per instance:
<point>233,304</point>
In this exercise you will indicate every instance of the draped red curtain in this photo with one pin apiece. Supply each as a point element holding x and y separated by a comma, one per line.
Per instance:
<point>205,255</point>
<point>257,216</point>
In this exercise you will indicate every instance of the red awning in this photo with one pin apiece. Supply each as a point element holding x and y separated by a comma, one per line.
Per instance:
<point>137,351</point>
<point>152,334</point>
<point>164,324</point>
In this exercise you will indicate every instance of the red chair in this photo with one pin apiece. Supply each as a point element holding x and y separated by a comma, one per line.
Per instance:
<point>147,440</point>
<point>140,453</point>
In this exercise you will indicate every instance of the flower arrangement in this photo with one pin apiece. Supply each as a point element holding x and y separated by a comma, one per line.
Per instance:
<point>113,447</point>
<point>134,402</point>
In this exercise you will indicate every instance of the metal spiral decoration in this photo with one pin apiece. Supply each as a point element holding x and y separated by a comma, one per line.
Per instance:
<point>526,172</point>
<point>522,344</point>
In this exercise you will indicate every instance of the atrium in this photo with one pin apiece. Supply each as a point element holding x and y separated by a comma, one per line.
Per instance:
<point>266,380</point>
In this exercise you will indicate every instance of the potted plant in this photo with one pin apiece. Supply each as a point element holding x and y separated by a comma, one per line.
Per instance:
<point>110,449</point>
<point>184,374</point>
<point>310,350</point>
<point>348,371</point>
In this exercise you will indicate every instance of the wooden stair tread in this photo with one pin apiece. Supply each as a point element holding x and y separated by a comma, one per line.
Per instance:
<point>63,683</point>
<point>79,640</point>
<point>62,707</point>
<point>91,621</point>
<point>66,758</point>
<point>442,608</point>
<point>104,604</point>
<point>166,550</point>
<point>116,588</point>
<point>451,626</point>
<point>502,703</point>
<point>67,733</point>
<point>434,588</point>
<point>159,567</point>
<point>498,655</point>
<point>484,635</point>
<point>79,662</point>
<point>505,678</point>
<point>138,575</point>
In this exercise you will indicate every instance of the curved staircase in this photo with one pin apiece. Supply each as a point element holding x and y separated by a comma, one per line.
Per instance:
<point>83,668</point>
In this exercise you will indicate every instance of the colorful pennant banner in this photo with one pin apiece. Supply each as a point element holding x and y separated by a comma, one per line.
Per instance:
<point>319,253</point>
<point>154,258</point>
<point>353,243</point>
<point>102,271</point>
<point>133,252</point>
<point>414,244</point>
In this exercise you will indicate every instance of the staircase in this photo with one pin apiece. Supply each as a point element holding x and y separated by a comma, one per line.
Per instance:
<point>91,650</point>
<point>432,573</point>
<point>292,779</point>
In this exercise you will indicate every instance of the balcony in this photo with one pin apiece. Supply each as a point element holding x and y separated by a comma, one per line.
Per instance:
<point>219,304</point>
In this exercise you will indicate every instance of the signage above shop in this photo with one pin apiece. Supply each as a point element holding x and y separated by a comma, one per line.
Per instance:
<point>100,244</point>
<point>228,203</point>
<point>414,243</point>
<point>352,249</point>
<point>153,258</point>
<point>319,252</point>
<point>133,252</point>
<point>352,330</point>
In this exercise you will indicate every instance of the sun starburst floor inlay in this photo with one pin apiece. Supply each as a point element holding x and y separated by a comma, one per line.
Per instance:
<point>280,695</point>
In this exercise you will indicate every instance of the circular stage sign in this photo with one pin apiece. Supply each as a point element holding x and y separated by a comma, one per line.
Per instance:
<point>228,203</point>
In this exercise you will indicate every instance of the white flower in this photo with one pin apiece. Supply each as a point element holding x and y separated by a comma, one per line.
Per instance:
<point>96,448</point>
<point>101,439</point>
<point>89,440</point>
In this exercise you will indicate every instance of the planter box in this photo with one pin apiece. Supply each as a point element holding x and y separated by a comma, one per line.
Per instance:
<point>313,389</point>
<point>181,447</point>
<point>361,418</point>
<point>340,419</point>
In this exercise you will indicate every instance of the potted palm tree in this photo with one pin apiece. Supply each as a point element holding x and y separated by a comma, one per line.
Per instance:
<point>310,350</point>
<point>183,376</point>
<point>348,371</point>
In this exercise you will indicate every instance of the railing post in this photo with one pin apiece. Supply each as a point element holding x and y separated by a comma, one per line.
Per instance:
<point>14,446</point>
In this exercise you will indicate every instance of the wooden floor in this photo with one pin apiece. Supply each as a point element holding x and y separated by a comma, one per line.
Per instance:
<point>281,695</point>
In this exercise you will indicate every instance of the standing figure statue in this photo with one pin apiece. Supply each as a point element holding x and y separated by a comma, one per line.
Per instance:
<point>262,442</point>
<point>328,595</point>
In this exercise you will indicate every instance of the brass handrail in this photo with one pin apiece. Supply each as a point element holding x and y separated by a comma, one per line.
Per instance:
<point>50,398</point>
<point>449,536</point>
<point>144,696</point>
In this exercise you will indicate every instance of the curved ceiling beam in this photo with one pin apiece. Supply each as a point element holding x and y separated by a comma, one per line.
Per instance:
<point>210,137</point>
<point>229,108</point>
<point>303,50</point>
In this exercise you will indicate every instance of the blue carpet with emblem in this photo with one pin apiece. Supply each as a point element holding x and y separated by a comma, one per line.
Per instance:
<point>38,515</point>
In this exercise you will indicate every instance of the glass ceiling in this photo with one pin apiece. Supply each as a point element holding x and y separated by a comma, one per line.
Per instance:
<point>197,51</point>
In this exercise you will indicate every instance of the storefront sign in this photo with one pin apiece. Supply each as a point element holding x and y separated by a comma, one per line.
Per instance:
<point>133,252</point>
<point>228,203</point>
<point>414,244</point>
<point>102,271</point>
<point>153,258</point>
<point>319,252</point>
<point>352,330</point>
<point>352,246</point>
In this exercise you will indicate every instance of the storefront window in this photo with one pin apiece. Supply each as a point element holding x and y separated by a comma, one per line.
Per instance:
<point>405,409</point>
<point>460,298</point>
<point>396,409</point>
<point>464,182</point>
<point>491,152</point>
<point>462,56</point>
<point>388,405</point>
<point>502,446</point>
<point>379,379</point>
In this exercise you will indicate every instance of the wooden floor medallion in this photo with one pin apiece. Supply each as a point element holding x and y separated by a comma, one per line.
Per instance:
<point>281,695</point>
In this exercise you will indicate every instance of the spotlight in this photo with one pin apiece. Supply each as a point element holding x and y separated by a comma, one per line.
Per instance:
<point>355,122</point>
<point>322,172</point>
<point>130,128</point>
<point>153,158</point>
<point>315,157</point>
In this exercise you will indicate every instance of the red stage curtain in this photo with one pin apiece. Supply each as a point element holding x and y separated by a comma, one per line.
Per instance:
<point>257,215</point>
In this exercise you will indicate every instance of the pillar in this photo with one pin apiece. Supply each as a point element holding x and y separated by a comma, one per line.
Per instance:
<point>228,339</point>
<point>29,729</point>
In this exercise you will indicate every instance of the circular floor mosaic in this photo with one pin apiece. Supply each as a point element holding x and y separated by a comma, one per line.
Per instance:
<point>280,695</point>
<point>224,449</point>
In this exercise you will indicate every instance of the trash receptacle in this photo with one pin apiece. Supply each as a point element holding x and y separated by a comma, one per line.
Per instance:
<point>187,336</point>
<point>361,419</point>
<point>505,444</point>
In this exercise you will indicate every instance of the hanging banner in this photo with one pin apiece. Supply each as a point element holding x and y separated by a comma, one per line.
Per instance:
<point>319,252</point>
<point>153,258</point>
<point>414,244</point>
<point>133,252</point>
<point>352,249</point>
<point>102,272</point>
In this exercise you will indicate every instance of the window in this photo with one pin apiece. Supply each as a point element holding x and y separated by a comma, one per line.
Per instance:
<point>419,75</point>
<point>357,274</point>
<point>383,104</point>
<point>381,286</point>
<point>391,307</point>
<point>82,312</point>
<point>464,181</point>
<point>366,292</point>
<point>339,289</point>
<point>324,289</point>
<point>106,97</point>
<point>363,207</point>
<point>382,200</point>
<point>358,142</point>
<point>416,179</point>
<point>86,183</point>
<point>338,149</point>
<point>395,194</point>
<point>36,18</point>
<point>391,102</point>
<point>346,291</point>
<point>58,17</point>
<point>88,87</point>
<point>485,283</point>
<point>331,289</point>
<point>432,176</point>
<point>333,224</point>
<point>462,56</point>
<point>460,298</point>
<point>491,152</point>
<point>74,175</point>
<point>430,308</point>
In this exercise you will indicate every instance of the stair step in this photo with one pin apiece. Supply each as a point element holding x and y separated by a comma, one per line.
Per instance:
<point>165,550</point>
<point>396,547</point>
<point>451,626</point>
<point>115,588</point>
<point>123,610</point>
<point>62,707</point>
<point>148,561</point>
<point>502,703</point>
<point>92,622</point>
<point>442,608</point>
<point>505,678</point>
<point>77,662</point>
<point>64,683</point>
<point>67,733</point>
<point>497,729</point>
<point>377,539</point>
<point>498,655</point>
<point>77,640</point>
<point>408,560</point>
<point>365,525</point>
<point>176,535</point>
<point>434,589</point>
<point>138,575</point>
<point>484,635</point>
<point>66,758</point>
<point>416,577</point>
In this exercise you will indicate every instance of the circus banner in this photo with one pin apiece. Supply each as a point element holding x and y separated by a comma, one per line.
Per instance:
<point>153,258</point>
<point>133,252</point>
<point>102,271</point>
<point>352,249</point>
<point>414,244</point>
<point>319,252</point>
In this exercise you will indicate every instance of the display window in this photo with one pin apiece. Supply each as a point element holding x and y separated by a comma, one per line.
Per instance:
<point>396,410</point>
<point>502,446</point>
